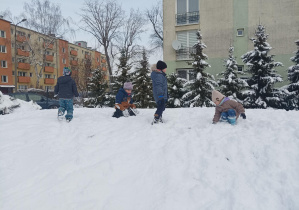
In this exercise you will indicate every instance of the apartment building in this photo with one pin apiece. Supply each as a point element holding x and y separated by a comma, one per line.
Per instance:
<point>33,60</point>
<point>6,77</point>
<point>226,23</point>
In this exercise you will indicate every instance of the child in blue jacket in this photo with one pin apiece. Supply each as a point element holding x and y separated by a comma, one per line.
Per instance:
<point>66,89</point>
<point>159,79</point>
<point>124,103</point>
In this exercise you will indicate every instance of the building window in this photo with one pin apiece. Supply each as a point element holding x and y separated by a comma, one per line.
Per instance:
<point>48,76</point>
<point>30,74</point>
<point>63,50</point>
<point>23,47</point>
<point>13,59</point>
<point>12,45</point>
<point>4,79</point>
<point>4,64</point>
<point>240,68</point>
<point>28,35</point>
<point>11,31</point>
<point>187,12</point>
<point>2,34</point>
<point>23,87</point>
<point>63,61</point>
<point>240,32</point>
<point>187,39</point>
<point>48,87</point>
<point>22,74</point>
<point>187,74</point>
<point>3,48</point>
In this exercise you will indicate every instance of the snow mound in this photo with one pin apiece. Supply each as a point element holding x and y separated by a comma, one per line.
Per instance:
<point>103,163</point>
<point>9,105</point>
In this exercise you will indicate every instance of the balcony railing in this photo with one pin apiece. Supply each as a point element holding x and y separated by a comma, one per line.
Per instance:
<point>23,79</point>
<point>49,81</point>
<point>74,52</point>
<point>74,63</point>
<point>23,53</point>
<point>49,69</point>
<point>187,18</point>
<point>185,53</point>
<point>48,46</point>
<point>21,38</point>
<point>24,66</point>
<point>49,58</point>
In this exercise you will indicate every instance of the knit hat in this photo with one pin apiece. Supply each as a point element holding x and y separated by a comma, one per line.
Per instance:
<point>67,71</point>
<point>217,96</point>
<point>161,65</point>
<point>128,86</point>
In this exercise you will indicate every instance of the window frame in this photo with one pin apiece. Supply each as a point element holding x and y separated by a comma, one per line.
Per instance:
<point>4,34</point>
<point>3,47</point>
<point>188,74</point>
<point>6,79</point>
<point>2,62</point>
<point>240,30</point>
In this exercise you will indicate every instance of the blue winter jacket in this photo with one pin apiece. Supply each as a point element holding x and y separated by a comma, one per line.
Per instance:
<point>122,96</point>
<point>159,85</point>
<point>66,87</point>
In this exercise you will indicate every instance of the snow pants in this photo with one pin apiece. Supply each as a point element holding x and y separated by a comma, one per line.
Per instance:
<point>66,105</point>
<point>160,108</point>
<point>229,116</point>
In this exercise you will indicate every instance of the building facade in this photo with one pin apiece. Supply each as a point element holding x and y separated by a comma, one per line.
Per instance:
<point>33,60</point>
<point>224,24</point>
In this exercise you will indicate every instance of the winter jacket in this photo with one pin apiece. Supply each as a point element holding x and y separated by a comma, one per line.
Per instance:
<point>123,100</point>
<point>159,84</point>
<point>225,105</point>
<point>66,87</point>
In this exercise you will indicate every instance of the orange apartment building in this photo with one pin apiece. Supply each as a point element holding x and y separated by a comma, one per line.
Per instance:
<point>57,53</point>
<point>6,68</point>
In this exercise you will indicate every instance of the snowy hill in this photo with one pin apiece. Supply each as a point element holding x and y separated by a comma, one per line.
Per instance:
<point>99,162</point>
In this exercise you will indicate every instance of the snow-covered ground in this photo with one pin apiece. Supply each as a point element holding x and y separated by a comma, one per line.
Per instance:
<point>102,163</point>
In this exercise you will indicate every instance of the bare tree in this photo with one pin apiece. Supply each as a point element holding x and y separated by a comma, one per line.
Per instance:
<point>46,18</point>
<point>131,31</point>
<point>103,19</point>
<point>155,16</point>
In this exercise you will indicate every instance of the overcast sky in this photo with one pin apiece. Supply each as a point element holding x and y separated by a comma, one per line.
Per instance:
<point>71,8</point>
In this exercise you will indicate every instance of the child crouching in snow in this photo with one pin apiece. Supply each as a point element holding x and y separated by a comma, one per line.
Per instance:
<point>124,103</point>
<point>226,110</point>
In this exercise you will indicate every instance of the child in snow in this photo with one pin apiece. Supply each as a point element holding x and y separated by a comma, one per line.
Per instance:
<point>159,79</point>
<point>226,110</point>
<point>66,89</point>
<point>124,103</point>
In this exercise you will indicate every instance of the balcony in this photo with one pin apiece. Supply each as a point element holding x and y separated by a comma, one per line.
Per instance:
<point>74,52</point>
<point>21,38</point>
<point>185,53</point>
<point>49,69</point>
<point>49,81</point>
<point>48,46</point>
<point>74,63</point>
<point>187,18</point>
<point>23,53</point>
<point>24,66</point>
<point>49,58</point>
<point>23,79</point>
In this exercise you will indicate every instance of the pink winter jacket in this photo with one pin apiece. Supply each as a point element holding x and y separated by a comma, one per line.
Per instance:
<point>230,104</point>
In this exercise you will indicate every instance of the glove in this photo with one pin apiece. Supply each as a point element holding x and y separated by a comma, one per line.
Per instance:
<point>133,106</point>
<point>243,116</point>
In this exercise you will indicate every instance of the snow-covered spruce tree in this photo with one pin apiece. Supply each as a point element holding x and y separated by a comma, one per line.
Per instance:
<point>122,75</point>
<point>97,86</point>
<point>143,90</point>
<point>176,91</point>
<point>231,85</point>
<point>263,75</point>
<point>292,100</point>
<point>200,89</point>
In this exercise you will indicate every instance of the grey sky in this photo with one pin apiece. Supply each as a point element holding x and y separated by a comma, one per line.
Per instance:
<point>71,8</point>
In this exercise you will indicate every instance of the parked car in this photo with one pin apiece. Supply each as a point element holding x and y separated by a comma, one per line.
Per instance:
<point>44,102</point>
